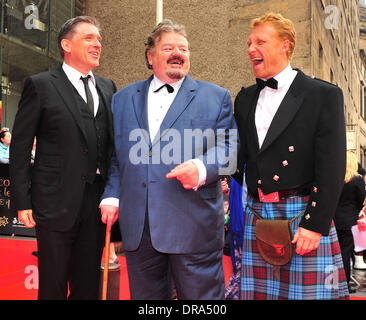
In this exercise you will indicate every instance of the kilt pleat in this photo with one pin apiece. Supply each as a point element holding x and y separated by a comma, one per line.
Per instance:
<point>318,275</point>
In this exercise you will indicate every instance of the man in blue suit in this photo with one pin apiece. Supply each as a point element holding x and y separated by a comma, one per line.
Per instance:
<point>174,138</point>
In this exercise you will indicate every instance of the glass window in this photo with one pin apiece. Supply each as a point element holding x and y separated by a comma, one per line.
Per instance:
<point>28,45</point>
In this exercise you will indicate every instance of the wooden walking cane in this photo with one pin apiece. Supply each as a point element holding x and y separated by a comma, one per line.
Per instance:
<point>106,260</point>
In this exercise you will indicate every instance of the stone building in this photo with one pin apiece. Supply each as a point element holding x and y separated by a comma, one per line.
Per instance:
<point>28,33</point>
<point>328,46</point>
<point>331,44</point>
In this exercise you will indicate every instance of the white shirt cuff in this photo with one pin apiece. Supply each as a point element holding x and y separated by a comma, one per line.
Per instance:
<point>110,202</point>
<point>202,173</point>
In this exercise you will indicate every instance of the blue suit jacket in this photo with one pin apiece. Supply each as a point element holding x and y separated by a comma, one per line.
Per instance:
<point>181,221</point>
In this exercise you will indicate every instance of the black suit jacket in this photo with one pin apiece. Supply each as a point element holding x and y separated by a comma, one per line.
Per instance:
<point>305,146</point>
<point>350,203</point>
<point>54,187</point>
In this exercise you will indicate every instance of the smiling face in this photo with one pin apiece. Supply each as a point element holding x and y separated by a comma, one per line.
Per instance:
<point>267,51</point>
<point>83,49</point>
<point>170,57</point>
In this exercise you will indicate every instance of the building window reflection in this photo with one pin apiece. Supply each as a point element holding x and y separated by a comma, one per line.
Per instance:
<point>28,45</point>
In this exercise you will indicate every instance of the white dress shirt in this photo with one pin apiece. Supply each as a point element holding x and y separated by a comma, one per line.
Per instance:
<point>74,76</point>
<point>158,104</point>
<point>269,101</point>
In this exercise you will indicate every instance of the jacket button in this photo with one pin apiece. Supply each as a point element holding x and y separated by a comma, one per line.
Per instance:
<point>144,185</point>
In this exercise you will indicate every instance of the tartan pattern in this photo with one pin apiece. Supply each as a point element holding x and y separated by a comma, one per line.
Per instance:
<point>232,291</point>
<point>315,276</point>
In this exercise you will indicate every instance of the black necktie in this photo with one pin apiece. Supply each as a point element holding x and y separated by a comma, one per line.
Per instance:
<point>272,83</point>
<point>168,86</point>
<point>89,96</point>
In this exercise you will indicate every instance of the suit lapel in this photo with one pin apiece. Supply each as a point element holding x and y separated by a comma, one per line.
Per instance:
<point>184,96</point>
<point>252,129</point>
<point>139,100</point>
<point>101,92</point>
<point>286,111</point>
<point>65,91</point>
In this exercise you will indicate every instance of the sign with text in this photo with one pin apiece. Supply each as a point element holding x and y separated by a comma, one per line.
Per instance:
<point>9,223</point>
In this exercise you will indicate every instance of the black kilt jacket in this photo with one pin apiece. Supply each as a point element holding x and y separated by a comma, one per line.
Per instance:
<point>305,147</point>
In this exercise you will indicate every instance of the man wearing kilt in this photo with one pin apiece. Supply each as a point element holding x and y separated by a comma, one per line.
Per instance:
<point>293,144</point>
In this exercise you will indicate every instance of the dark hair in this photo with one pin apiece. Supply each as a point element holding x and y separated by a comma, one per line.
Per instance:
<point>165,26</point>
<point>68,29</point>
<point>3,133</point>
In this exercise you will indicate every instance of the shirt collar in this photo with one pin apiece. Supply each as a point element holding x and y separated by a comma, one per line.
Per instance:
<point>284,76</point>
<point>156,83</point>
<point>74,75</point>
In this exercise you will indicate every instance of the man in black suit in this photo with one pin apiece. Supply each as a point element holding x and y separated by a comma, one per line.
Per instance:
<point>293,144</point>
<point>68,111</point>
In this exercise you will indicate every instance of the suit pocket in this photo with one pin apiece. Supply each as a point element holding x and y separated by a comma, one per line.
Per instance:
<point>208,192</point>
<point>45,178</point>
<point>49,161</point>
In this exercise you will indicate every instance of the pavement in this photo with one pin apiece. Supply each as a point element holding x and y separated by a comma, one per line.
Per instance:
<point>360,277</point>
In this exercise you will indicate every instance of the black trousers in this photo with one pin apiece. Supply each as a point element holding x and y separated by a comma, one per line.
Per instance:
<point>70,261</point>
<point>347,246</point>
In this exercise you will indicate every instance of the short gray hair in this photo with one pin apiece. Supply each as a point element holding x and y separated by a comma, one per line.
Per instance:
<point>68,29</point>
<point>165,26</point>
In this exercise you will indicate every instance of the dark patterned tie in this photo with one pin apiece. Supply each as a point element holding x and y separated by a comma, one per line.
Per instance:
<point>89,96</point>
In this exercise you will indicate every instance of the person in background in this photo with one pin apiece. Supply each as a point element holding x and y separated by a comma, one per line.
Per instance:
<point>349,205</point>
<point>5,140</point>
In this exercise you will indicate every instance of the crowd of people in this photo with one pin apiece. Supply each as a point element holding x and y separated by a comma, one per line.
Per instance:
<point>282,212</point>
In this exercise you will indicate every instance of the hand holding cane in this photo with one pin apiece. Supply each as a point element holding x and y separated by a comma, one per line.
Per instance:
<point>106,260</point>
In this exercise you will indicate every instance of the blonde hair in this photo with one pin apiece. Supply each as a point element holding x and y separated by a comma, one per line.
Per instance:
<point>284,27</point>
<point>351,166</point>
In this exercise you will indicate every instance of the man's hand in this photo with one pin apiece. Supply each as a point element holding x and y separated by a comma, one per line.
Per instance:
<point>306,240</point>
<point>225,186</point>
<point>109,214</point>
<point>186,173</point>
<point>26,216</point>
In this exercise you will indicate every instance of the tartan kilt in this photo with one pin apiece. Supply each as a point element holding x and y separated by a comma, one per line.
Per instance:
<point>317,275</point>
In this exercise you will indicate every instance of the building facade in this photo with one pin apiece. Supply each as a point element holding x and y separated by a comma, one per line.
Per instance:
<point>28,44</point>
<point>331,44</point>
<point>328,44</point>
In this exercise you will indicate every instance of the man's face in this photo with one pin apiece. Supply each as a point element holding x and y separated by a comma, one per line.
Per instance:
<point>170,57</point>
<point>83,50</point>
<point>267,52</point>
